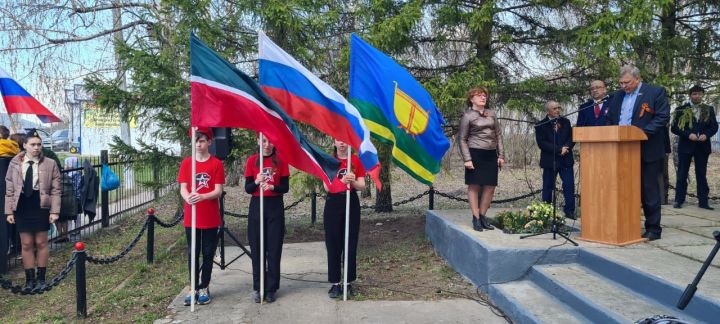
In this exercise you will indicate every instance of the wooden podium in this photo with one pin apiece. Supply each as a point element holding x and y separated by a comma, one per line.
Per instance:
<point>610,183</point>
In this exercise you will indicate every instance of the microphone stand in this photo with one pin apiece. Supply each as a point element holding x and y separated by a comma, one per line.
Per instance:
<point>691,288</point>
<point>554,228</point>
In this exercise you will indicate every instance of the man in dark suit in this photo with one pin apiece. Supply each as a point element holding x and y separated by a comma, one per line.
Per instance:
<point>594,111</point>
<point>644,106</point>
<point>694,123</point>
<point>559,151</point>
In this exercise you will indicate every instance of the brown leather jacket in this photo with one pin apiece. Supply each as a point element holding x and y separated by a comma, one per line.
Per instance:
<point>48,184</point>
<point>480,132</point>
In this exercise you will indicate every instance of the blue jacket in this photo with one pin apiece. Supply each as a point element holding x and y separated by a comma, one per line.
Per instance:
<point>544,137</point>
<point>653,120</point>
<point>707,126</point>
<point>586,116</point>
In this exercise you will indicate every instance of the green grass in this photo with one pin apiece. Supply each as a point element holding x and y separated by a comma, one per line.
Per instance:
<point>127,290</point>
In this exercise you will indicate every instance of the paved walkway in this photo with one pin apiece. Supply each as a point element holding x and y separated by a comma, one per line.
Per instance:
<point>307,302</point>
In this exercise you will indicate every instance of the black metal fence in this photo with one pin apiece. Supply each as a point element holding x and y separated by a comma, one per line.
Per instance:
<point>140,183</point>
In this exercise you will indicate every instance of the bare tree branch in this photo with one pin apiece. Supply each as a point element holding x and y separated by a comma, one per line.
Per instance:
<point>100,34</point>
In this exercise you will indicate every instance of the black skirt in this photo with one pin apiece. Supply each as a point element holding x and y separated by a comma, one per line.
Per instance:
<point>29,217</point>
<point>486,168</point>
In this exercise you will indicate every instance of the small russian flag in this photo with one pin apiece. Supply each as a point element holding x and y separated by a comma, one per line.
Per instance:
<point>19,101</point>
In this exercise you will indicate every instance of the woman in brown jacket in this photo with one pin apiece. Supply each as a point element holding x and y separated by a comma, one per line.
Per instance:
<point>482,150</point>
<point>32,201</point>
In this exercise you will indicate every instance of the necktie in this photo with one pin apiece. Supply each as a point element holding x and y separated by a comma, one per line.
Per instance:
<point>28,184</point>
<point>597,110</point>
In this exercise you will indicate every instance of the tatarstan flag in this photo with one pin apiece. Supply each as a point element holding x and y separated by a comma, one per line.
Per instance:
<point>223,96</point>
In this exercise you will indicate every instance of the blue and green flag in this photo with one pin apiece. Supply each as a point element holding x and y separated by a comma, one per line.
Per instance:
<point>397,110</point>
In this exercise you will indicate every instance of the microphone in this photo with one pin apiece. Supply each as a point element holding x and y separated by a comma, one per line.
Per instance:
<point>592,103</point>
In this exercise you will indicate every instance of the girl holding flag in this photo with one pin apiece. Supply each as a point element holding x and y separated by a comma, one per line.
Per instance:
<point>272,182</point>
<point>334,218</point>
<point>209,179</point>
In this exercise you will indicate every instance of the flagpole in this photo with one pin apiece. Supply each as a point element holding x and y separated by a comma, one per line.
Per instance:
<point>262,223</point>
<point>347,224</point>
<point>193,222</point>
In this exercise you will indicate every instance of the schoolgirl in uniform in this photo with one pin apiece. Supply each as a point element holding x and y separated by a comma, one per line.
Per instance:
<point>334,219</point>
<point>32,201</point>
<point>272,182</point>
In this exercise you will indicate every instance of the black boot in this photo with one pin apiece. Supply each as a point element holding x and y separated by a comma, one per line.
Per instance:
<point>40,277</point>
<point>484,223</point>
<point>476,224</point>
<point>29,280</point>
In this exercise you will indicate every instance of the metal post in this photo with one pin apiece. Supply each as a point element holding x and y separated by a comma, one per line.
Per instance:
<point>156,179</point>
<point>150,235</point>
<point>80,291</point>
<point>104,197</point>
<point>222,231</point>
<point>431,199</point>
<point>313,207</point>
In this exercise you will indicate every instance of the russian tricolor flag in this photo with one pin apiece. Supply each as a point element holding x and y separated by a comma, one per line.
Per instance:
<point>308,99</point>
<point>19,101</point>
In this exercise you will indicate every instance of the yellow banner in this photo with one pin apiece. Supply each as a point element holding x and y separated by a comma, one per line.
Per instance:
<point>95,117</point>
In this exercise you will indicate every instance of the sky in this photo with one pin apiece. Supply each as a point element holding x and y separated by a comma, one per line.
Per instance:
<point>44,72</point>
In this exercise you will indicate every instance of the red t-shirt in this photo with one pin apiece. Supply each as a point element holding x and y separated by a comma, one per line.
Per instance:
<point>208,174</point>
<point>337,186</point>
<point>271,172</point>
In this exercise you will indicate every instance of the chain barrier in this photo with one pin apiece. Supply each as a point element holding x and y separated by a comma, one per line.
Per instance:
<point>527,195</point>
<point>297,202</point>
<point>692,194</point>
<point>108,260</point>
<point>235,214</point>
<point>293,205</point>
<point>179,216</point>
<point>402,202</point>
<point>17,289</point>
<point>500,201</point>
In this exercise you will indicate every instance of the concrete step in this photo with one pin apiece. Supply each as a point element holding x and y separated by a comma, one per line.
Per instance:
<point>596,297</point>
<point>525,302</point>
<point>656,280</point>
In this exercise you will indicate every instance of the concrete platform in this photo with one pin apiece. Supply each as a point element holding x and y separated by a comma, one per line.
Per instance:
<point>541,280</point>
<point>302,298</point>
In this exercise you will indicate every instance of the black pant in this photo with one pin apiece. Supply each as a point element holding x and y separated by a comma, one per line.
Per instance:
<point>334,223</point>
<point>650,194</point>
<point>206,243</point>
<point>274,228</point>
<point>701,161</point>
<point>568,186</point>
